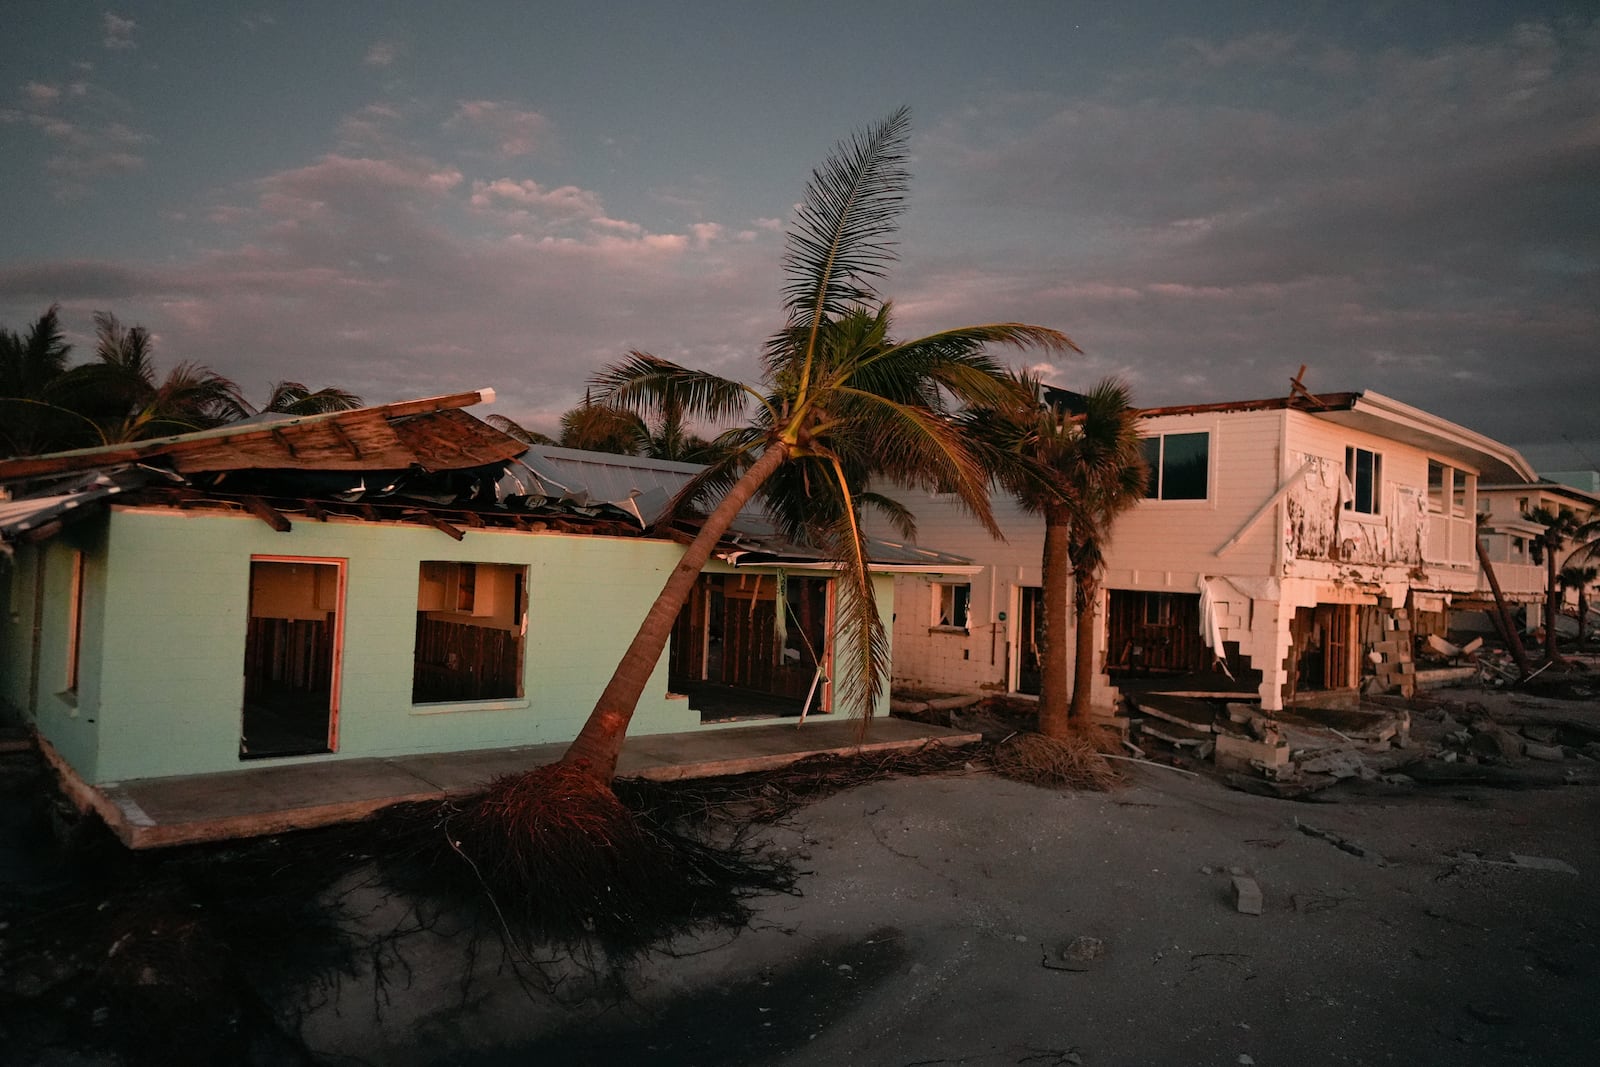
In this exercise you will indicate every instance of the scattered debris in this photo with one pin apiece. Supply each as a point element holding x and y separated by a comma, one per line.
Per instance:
<point>1073,761</point>
<point>1246,895</point>
<point>1079,954</point>
<point>1338,842</point>
<point>1532,863</point>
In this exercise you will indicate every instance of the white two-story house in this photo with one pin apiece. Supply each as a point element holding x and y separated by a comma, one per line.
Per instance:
<point>1286,539</point>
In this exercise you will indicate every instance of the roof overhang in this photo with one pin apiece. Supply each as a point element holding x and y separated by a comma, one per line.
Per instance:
<point>1386,417</point>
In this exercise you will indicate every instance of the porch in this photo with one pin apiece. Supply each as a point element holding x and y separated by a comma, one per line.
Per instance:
<point>270,799</point>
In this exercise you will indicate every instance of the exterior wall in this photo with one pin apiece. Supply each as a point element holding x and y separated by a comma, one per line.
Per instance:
<point>69,719</point>
<point>984,656</point>
<point>1398,545</point>
<point>169,634</point>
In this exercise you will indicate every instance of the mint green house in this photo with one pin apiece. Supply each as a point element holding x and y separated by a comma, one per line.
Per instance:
<point>391,581</point>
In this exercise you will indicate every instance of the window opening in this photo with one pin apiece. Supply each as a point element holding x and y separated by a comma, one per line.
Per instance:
<point>1179,465</point>
<point>951,603</point>
<point>1364,469</point>
<point>471,632</point>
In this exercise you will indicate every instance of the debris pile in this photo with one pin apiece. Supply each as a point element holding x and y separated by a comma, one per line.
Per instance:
<point>1287,752</point>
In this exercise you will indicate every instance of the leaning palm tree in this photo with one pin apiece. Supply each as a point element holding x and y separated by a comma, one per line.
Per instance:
<point>840,400</point>
<point>1076,462</point>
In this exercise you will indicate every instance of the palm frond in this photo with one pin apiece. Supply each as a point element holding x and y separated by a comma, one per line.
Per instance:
<point>842,238</point>
<point>861,649</point>
<point>513,429</point>
<point>897,515</point>
<point>641,382</point>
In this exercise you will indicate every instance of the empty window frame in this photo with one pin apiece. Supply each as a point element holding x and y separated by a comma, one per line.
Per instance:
<point>1364,468</point>
<point>1450,489</point>
<point>1180,465</point>
<point>950,604</point>
<point>471,632</point>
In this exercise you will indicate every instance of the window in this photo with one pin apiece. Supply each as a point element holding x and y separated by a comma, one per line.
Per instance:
<point>1519,549</point>
<point>1179,465</point>
<point>471,625</point>
<point>1364,468</point>
<point>75,623</point>
<point>1449,489</point>
<point>950,604</point>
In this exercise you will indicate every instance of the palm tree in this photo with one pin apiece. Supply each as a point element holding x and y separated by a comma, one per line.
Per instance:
<point>1075,461</point>
<point>122,393</point>
<point>293,398</point>
<point>32,367</point>
<point>1579,577</point>
<point>1558,527</point>
<point>840,400</point>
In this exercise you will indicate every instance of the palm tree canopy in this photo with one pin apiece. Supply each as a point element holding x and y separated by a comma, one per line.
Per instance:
<point>294,398</point>
<point>841,399</point>
<point>31,362</point>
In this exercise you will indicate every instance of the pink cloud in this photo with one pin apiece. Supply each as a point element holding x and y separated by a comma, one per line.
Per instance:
<point>117,32</point>
<point>514,130</point>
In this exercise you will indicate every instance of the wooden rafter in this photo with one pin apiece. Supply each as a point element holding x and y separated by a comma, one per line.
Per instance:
<point>268,514</point>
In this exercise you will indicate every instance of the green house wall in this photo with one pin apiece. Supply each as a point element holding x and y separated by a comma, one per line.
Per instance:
<point>161,682</point>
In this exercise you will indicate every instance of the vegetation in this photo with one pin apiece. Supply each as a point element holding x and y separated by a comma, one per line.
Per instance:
<point>1559,528</point>
<point>1074,460</point>
<point>48,404</point>
<point>840,401</point>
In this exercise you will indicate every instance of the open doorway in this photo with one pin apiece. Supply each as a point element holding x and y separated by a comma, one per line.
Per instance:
<point>754,646</point>
<point>1323,649</point>
<point>291,657</point>
<point>1030,639</point>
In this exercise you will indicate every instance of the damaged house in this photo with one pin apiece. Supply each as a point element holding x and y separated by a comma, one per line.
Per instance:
<point>1287,546</point>
<point>391,581</point>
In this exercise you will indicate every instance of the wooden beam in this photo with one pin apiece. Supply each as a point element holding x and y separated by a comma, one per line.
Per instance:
<point>283,440</point>
<point>437,523</point>
<point>268,514</point>
<point>338,431</point>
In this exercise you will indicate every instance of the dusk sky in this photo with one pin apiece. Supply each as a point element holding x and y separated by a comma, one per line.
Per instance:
<point>406,199</point>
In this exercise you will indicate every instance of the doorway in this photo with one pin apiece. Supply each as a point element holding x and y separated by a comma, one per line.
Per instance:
<point>1031,639</point>
<point>292,653</point>
<point>754,646</point>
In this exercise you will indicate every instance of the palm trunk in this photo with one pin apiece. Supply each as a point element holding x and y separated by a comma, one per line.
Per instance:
<point>1502,616</point>
<point>600,740</point>
<point>1057,571</point>
<point>1552,608</point>
<point>1087,584</point>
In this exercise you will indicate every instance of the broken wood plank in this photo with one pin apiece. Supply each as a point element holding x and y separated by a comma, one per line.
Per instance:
<point>268,514</point>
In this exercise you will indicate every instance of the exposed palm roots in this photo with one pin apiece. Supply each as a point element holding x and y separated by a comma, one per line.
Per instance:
<point>1070,762</point>
<point>556,857</point>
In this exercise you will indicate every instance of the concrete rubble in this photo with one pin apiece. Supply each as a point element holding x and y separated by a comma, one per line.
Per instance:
<point>1301,750</point>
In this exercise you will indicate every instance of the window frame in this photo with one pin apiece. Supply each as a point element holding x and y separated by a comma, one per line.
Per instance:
<point>467,596</point>
<point>75,625</point>
<point>1374,501</point>
<point>1156,479</point>
<point>960,606</point>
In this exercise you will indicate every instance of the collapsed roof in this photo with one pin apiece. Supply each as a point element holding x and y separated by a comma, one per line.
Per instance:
<point>422,461</point>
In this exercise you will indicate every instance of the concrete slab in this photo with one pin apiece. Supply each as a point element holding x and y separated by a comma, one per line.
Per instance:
<point>266,798</point>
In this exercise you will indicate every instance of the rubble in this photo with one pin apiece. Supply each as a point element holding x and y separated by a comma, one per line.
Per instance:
<point>1246,895</point>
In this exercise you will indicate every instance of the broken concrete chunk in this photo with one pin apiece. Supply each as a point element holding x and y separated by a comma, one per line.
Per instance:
<point>1240,752</point>
<point>1549,753</point>
<point>1246,895</point>
<point>1545,735</point>
<point>1492,740</point>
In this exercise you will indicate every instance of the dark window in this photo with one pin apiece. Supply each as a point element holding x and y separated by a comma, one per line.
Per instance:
<point>1179,465</point>
<point>1364,468</point>
<point>950,604</point>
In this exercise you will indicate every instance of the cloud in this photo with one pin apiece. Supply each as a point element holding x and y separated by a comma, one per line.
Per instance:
<point>117,32</point>
<point>384,53</point>
<point>514,131</point>
<point>1246,205</point>
<point>39,95</point>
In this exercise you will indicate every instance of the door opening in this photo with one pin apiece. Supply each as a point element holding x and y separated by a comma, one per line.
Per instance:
<point>291,657</point>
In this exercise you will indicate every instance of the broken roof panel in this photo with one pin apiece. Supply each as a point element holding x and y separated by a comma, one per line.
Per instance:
<point>431,434</point>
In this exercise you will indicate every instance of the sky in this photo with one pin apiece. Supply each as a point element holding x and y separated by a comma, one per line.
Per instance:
<point>408,199</point>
